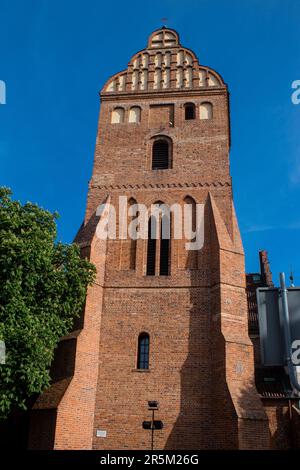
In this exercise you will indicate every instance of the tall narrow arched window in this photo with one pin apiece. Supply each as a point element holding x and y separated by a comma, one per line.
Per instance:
<point>151,246</point>
<point>190,226</point>
<point>206,111</point>
<point>189,111</point>
<point>135,114</point>
<point>129,244</point>
<point>165,230</point>
<point>143,351</point>
<point>159,240</point>
<point>161,154</point>
<point>190,216</point>
<point>117,116</point>
<point>132,237</point>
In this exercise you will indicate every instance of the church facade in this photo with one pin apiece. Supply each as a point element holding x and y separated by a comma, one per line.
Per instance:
<point>161,323</point>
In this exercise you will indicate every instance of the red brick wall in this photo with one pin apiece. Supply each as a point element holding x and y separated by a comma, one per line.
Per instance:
<point>179,312</point>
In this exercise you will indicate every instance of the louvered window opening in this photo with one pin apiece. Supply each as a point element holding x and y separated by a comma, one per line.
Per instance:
<point>160,155</point>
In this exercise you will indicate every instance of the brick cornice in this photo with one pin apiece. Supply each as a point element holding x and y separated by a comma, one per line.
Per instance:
<point>155,94</point>
<point>150,186</point>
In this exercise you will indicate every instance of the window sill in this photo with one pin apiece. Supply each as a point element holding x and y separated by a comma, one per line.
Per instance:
<point>158,276</point>
<point>141,370</point>
<point>160,169</point>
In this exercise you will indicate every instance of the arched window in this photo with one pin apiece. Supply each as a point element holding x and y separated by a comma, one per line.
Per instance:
<point>117,116</point>
<point>135,114</point>
<point>151,246</point>
<point>189,111</point>
<point>159,236</point>
<point>161,154</point>
<point>132,241</point>
<point>206,111</point>
<point>143,351</point>
<point>190,215</point>
<point>129,244</point>
<point>164,245</point>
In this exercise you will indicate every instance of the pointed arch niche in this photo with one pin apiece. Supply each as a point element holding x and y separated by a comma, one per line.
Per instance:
<point>188,259</point>
<point>129,245</point>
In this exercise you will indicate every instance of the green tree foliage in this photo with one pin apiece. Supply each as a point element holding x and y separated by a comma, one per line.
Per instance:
<point>42,289</point>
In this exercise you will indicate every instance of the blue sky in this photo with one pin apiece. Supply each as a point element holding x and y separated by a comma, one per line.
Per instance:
<point>56,55</point>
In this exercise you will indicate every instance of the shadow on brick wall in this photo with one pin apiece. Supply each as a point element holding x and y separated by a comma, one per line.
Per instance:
<point>206,418</point>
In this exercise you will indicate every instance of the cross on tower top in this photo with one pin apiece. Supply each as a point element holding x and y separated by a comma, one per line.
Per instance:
<point>164,21</point>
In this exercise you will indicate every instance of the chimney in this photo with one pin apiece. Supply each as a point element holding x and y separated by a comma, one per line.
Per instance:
<point>265,269</point>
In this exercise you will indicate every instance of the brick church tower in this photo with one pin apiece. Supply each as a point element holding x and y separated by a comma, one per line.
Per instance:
<point>160,323</point>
